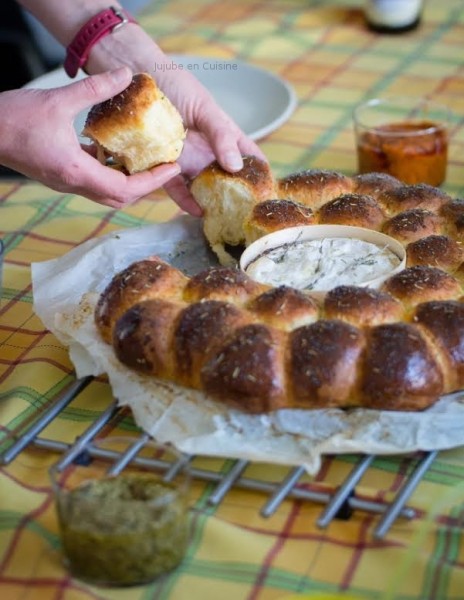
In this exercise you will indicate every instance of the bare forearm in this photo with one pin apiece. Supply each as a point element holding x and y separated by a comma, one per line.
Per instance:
<point>211,132</point>
<point>129,45</point>
<point>64,18</point>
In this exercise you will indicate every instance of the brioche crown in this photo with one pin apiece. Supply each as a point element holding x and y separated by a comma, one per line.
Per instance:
<point>263,348</point>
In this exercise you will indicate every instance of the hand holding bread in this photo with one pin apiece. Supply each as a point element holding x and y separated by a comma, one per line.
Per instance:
<point>139,128</point>
<point>40,141</point>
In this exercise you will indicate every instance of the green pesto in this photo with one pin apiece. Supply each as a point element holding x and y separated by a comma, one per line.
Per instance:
<point>123,530</point>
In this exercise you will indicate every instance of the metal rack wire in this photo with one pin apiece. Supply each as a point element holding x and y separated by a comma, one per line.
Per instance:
<point>338,503</point>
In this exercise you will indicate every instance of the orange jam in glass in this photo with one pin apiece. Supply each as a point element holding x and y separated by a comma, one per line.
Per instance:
<point>411,151</point>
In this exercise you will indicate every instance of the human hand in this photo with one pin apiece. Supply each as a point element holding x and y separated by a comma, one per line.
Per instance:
<point>212,134</point>
<point>38,139</point>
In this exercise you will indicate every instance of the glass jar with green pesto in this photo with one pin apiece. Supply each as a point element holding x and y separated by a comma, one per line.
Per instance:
<point>122,530</point>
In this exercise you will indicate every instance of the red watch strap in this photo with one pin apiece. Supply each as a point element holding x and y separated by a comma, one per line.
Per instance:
<point>94,30</point>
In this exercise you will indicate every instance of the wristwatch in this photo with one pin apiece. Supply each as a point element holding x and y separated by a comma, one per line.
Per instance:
<point>103,23</point>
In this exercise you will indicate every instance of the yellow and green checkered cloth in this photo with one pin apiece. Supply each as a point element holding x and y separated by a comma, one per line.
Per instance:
<point>324,49</point>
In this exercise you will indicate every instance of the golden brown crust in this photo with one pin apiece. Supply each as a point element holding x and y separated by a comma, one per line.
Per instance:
<point>323,363</point>
<point>269,350</point>
<point>144,279</point>
<point>414,224</point>
<point>250,367</point>
<point>227,200</point>
<point>453,208</point>
<point>200,332</point>
<point>453,214</point>
<point>125,109</point>
<point>314,187</point>
<point>284,307</point>
<point>273,215</point>
<point>407,197</point>
<point>138,128</point>
<point>222,283</point>
<point>352,209</point>
<point>256,174</point>
<point>255,177</point>
<point>142,337</point>
<point>435,251</point>
<point>444,323</point>
<point>399,371</point>
<point>362,306</point>
<point>422,284</point>
<point>374,184</point>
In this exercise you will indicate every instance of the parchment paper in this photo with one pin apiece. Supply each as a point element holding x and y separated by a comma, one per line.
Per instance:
<point>65,293</point>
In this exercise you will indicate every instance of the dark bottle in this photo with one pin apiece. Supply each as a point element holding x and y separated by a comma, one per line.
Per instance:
<point>393,16</point>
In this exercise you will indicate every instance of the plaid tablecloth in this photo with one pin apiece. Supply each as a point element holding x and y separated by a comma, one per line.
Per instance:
<point>325,50</point>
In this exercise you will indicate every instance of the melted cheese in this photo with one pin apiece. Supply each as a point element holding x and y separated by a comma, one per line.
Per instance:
<point>323,264</point>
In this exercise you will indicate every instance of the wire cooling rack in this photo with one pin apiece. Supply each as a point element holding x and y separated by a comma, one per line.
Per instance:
<point>338,503</point>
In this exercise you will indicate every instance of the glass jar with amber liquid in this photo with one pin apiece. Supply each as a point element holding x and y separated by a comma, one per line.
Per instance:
<point>404,137</point>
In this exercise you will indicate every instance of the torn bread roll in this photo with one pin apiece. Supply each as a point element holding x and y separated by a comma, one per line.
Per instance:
<point>227,200</point>
<point>139,128</point>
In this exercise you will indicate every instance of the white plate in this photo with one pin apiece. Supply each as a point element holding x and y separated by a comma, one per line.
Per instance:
<point>257,100</point>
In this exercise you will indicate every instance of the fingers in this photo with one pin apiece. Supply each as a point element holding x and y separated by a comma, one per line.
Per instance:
<point>141,184</point>
<point>175,184</point>
<point>179,192</point>
<point>230,145</point>
<point>203,115</point>
<point>95,89</point>
<point>221,139</point>
<point>227,140</point>
<point>197,154</point>
<point>112,187</point>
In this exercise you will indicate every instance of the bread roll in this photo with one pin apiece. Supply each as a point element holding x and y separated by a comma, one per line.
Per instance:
<point>453,215</point>
<point>324,364</point>
<point>142,337</point>
<point>227,200</point>
<point>273,215</point>
<point>374,184</point>
<point>139,128</point>
<point>422,284</point>
<point>406,197</point>
<point>357,210</point>
<point>149,278</point>
<point>399,369</point>
<point>222,283</point>
<point>443,323</point>
<point>248,370</point>
<point>412,225</point>
<point>435,251</point>
<point>200,333</point>
<point>285,307</point>
<point>314,187</point>
<point>362,306</point>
